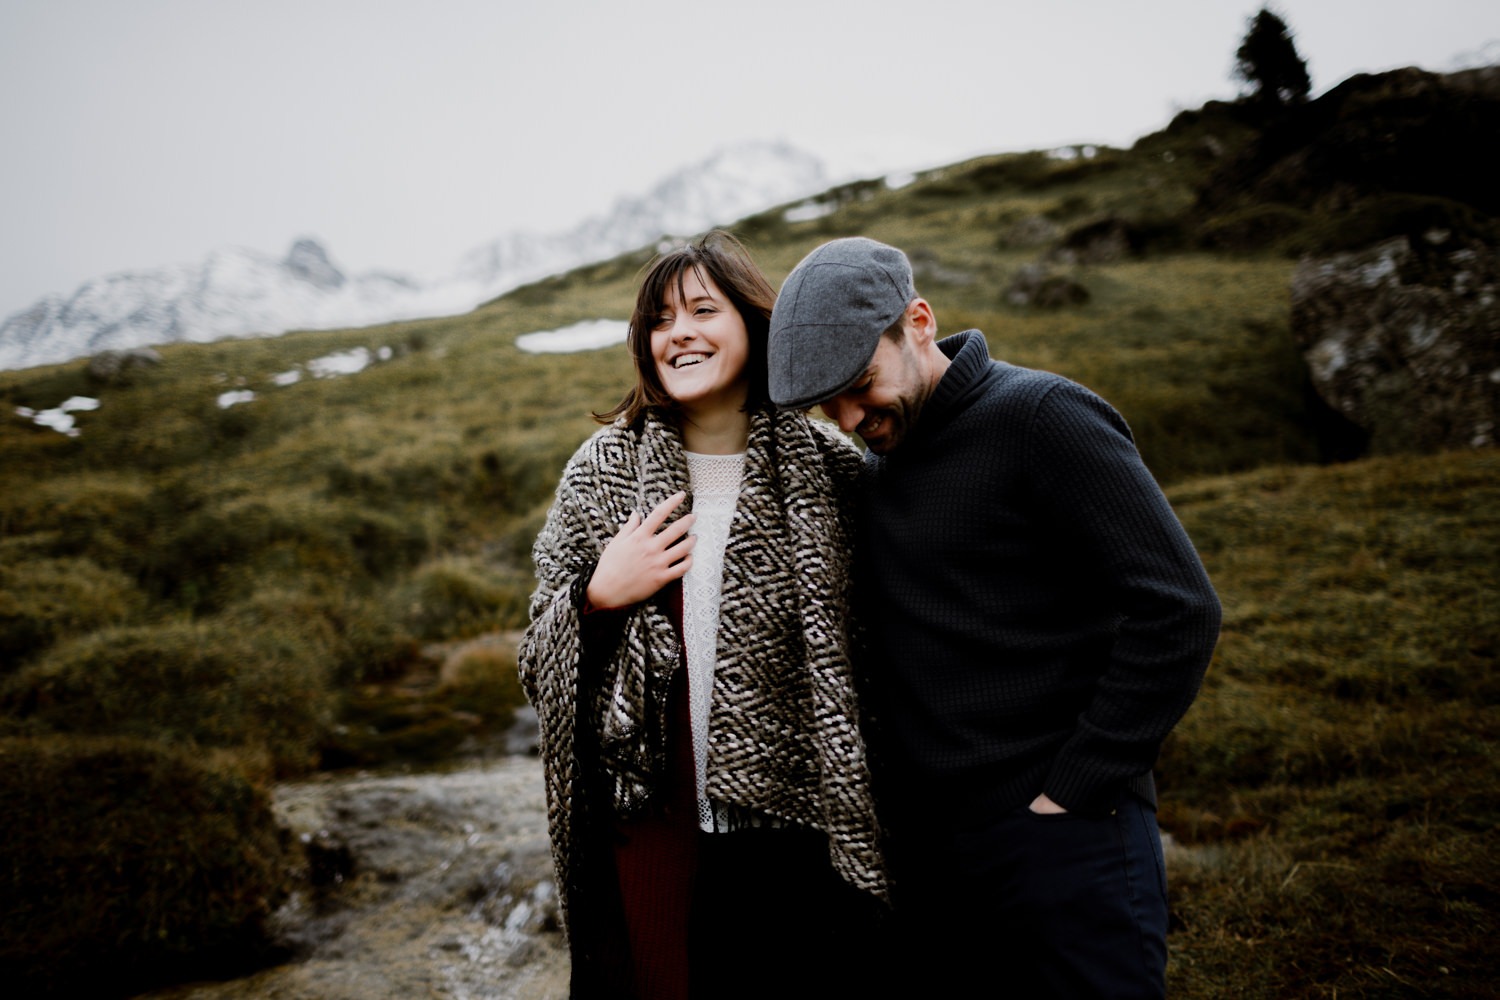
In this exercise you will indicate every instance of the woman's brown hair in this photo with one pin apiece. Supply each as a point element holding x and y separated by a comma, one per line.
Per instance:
<point>718,256</point>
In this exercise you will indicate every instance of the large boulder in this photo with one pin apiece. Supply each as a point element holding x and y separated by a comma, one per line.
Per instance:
<point>1403,339</point>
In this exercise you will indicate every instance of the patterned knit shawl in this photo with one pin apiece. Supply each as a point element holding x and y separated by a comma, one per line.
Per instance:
<point>784,736</point>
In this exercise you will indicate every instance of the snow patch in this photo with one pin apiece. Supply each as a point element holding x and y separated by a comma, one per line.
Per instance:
<point>343,363</point>
<point>810,210</point>
<point>234,398</point>
<point>588,335</point>
<point>60,417</point>
<point>1073,153</point>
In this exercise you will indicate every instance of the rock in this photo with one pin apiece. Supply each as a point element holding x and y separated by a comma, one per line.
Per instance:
<point>927,268</point>
<point>1035,285</point>
<point>523,738</point>
<point>1403,340</point>
<point>1102,241</point>
<point>118,367</point>
<point>1031,231</point>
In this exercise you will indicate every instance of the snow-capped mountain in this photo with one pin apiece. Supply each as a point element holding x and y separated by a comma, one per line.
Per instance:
<point>240,292</point>
<point>729,185</point>
<point>232,292</point>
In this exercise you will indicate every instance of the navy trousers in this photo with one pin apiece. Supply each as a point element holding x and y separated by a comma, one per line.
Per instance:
<point>1036,906</point>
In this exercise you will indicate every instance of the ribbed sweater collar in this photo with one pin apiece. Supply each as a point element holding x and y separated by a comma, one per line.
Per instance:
<point>970,356</point>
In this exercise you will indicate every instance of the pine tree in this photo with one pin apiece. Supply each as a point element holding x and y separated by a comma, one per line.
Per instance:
<point>1268,61</point>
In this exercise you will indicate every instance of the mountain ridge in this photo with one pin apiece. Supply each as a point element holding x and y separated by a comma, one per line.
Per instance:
<point>241,292</point>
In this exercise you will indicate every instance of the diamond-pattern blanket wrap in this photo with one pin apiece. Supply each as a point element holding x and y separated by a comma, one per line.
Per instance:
<point>784,723</point>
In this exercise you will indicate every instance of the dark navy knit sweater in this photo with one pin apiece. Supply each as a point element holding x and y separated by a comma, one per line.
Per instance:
<point>1038,618</point>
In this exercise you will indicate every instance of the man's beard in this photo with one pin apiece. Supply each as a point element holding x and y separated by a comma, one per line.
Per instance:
<point>888,427</point>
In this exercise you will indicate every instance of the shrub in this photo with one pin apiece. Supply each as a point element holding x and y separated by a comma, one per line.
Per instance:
<point>465,707</point>
<point>483,681</point>
<point>382,725</point>
<point>223,551</point>
<point>44,600</point>
<point>1015,171</point>
<point>103,516</point>
<point>458,596</point>
<point>1411,215</point>
<point>357,636</point>
<point>183,682</point>
<point>1255,227</point>
<point>126,863</point>
<point>514,477</point>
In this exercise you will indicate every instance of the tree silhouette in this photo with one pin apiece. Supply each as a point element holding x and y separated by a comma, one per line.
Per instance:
<point>1268,61</point>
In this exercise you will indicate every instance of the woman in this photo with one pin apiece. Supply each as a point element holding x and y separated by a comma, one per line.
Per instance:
<point>708,792</point>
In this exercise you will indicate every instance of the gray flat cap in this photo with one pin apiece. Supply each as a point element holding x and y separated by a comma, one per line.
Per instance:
<point>830,314</point>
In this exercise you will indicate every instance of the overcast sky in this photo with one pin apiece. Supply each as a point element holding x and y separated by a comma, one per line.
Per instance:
<point>138,133</point>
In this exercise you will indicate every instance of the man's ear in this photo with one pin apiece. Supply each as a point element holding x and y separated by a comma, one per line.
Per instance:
<point>921,324</point>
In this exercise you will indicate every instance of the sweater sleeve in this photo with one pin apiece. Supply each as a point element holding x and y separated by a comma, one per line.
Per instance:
<point>1092,483</point>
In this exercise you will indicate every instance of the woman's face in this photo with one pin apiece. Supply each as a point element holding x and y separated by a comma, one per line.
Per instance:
<point>700,346</point>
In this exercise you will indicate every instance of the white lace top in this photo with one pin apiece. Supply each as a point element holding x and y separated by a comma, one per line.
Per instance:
<point>715,482</point>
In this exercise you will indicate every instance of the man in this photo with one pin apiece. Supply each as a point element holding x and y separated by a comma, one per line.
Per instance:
<point>1037,621</point>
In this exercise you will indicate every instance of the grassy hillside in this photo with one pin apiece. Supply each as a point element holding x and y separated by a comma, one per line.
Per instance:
<point>258,588</point>
<point>1335,783</point>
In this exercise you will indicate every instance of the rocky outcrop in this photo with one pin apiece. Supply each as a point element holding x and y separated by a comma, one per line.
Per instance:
<point>1403,339</point>
<point>1101,241</point>
<point>1028,232</point>
<point>1037,285</point>
<point>118,367</point>
<point>928,268</point>
<point>308,261</point>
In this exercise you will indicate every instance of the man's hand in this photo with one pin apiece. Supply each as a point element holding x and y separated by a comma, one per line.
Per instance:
<point>1044,806</point>
<point>643,558</point>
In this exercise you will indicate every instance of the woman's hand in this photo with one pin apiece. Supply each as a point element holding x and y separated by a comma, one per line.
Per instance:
<point>643,558</point>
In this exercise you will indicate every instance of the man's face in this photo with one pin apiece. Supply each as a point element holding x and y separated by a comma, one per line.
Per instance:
<point>883,404</point>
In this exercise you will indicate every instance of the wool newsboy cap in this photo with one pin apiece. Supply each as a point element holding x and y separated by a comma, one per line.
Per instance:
<point>830,314</point>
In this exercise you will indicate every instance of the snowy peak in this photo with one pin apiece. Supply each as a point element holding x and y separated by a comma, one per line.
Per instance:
<point>238,292</point>
<point>309,261</point>
<point>728,185</point>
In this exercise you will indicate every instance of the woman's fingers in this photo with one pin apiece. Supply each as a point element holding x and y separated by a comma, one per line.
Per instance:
<point>643,556</point>
<point>663,510</point>
<point>674,532</point>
